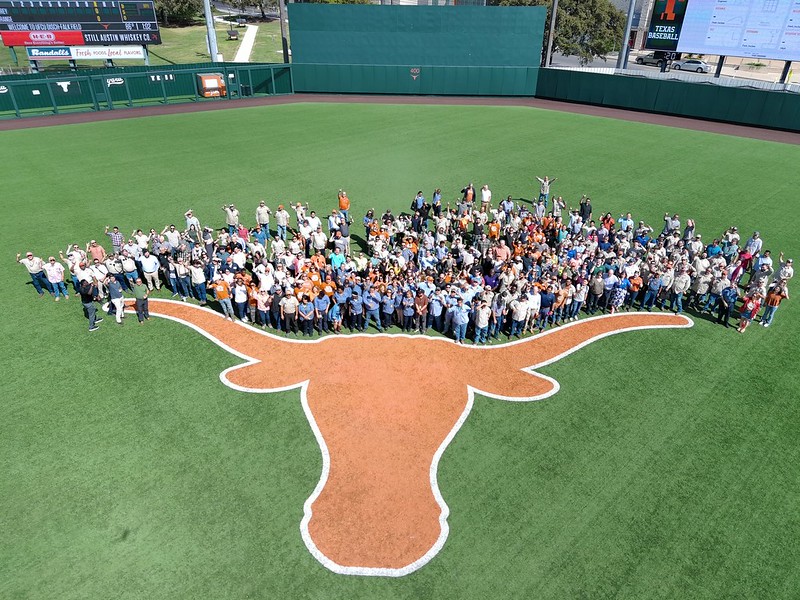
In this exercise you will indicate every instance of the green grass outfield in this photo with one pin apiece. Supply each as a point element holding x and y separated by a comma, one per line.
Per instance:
<point>666,467</point>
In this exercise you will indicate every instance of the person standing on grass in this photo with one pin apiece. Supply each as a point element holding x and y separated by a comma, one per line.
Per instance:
<point>289,306</point>
<point>117,239</point>
<point>726,304</point>
<point>222,292</point>
<point>88,292</point>
<point>750,308</point>
<point>141,293</point>
<point>116,297</point>
<point>35,266</point>
<point>544,188</point>
<point>262,217</point>
<point>777,293</point>
<point>55,276</point>
<point>231,218</point>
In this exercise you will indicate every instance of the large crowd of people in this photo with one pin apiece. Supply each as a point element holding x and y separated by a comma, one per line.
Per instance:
<point>472,269</point>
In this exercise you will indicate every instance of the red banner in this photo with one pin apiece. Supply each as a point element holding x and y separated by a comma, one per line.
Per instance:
<point>42,38</point>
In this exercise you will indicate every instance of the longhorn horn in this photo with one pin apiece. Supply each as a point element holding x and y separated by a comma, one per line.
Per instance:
<point>263,371</point>
<point>501,375</point>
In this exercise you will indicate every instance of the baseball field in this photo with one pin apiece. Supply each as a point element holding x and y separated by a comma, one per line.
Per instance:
<point>666,466</point>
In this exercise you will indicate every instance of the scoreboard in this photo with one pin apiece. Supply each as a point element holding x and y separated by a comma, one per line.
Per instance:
<point>77,23</point>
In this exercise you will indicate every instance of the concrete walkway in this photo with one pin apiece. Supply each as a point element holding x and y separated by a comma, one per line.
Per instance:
<point>246,47</point>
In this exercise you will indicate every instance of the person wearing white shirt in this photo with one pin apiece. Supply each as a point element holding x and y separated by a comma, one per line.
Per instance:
<point>262,216</point>
<point>192,220</point>
<point>486,195</point>
<point>150,266</point>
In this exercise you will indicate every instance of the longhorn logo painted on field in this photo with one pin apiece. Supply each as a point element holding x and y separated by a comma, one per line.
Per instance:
<point>383,409</point>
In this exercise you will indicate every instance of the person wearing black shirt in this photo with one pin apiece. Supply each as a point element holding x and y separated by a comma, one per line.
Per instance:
<point>88,293</point>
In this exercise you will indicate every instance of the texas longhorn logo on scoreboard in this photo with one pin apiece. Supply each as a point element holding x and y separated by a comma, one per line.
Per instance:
<point>669,14</point>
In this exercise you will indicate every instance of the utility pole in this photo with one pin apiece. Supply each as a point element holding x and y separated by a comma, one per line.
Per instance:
<point>548,57</point>
<point>211,32</point>
<point>284,39</point>
<point>622,59</point>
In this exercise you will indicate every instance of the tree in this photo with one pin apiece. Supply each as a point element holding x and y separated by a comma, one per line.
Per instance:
<point>584,28</point>
<point>179,12</point>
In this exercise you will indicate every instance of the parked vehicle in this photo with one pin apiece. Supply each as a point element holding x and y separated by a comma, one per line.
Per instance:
<point>650,59</point>
<point>692,64</point>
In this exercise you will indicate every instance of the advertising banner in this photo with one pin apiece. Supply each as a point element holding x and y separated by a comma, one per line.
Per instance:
<point>42,38</point>
<point>85,53</point>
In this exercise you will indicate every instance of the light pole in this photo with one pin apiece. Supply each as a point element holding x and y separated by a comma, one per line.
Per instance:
<point>622,59</point>
<point>284,40</point>
<point>211,32</point>
<point>549,54</point>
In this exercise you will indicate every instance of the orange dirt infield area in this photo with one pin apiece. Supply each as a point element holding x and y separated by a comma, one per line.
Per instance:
<point>378,505</point>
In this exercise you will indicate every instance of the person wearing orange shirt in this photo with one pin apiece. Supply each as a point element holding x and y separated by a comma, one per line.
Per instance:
<point>634,287</point>
<point>222,292</point>
<point>344,205</point>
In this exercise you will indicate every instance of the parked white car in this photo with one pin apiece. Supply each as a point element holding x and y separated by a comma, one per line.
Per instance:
<point>692,64</point>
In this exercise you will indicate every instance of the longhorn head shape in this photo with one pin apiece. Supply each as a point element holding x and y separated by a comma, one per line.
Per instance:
<point>377,509</point>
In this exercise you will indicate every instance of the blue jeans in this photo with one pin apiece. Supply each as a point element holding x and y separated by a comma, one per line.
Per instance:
<point>516,327</point>
<point>227,307</point>
<point>241,310</point>
<point>373,314</point>
<point>576,308</point>
<point>59,287</point>
<point>481,334</point>
<point>711,302</point>
<point>769,314</point>
<point>40,281</point>
<point>649,299</point>
<point>281,233</point>
<point>184,284</point>
<point>200,291</point>
<point>460,331</point>
<point>676,300</point>
<point>496,326</point>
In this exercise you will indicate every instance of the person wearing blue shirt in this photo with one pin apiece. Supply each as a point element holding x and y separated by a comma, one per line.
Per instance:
<point>260,235</point>
<point>460,320</point>
<point>435,310</point>
<point>335,317</point>
<point>653,287</point>
<point>436,202</point>
<point>337,259</point>
<point>408,311</point>
<point>387,308</point>
<point>356,312</point>
<point>398,308</point>
<point>372,304</point>
<point>726,304</point>
<point>322,304</point>
<point>306,310</point>
<point>548,299</point>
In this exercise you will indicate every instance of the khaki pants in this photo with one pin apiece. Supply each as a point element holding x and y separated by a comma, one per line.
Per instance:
<point>153,280</point>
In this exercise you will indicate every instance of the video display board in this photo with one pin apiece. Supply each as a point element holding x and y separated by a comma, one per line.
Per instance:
<point>748,28</point>
<point>77,23</point>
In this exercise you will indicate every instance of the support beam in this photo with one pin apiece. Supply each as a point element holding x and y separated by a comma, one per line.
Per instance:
<point>720,62</point>
<point>548,58</point>
<point>787,66</point>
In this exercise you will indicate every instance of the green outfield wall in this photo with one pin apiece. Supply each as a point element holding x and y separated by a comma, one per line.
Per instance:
<point>107,89</point>
<point>443,50</point>
<point>777,110</point>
